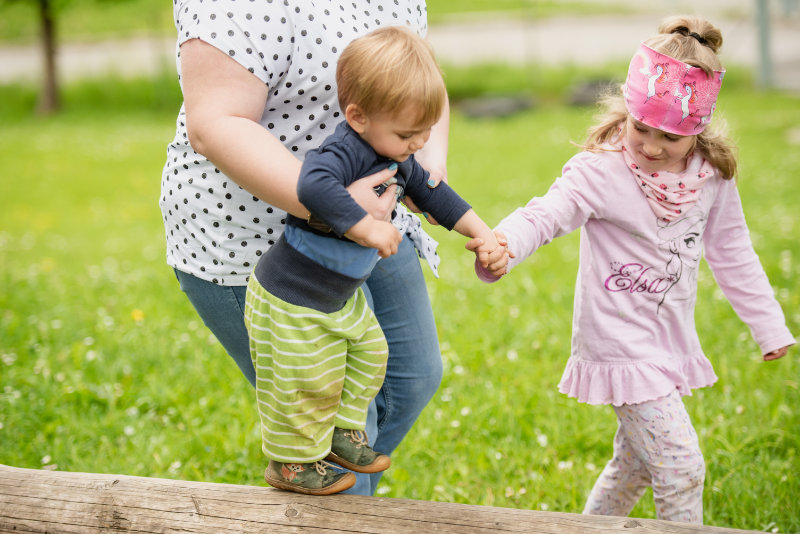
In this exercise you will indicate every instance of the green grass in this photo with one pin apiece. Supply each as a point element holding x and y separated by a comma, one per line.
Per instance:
<point>105,367</point>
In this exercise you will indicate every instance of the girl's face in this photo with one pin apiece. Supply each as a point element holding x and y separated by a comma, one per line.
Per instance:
<point>655,150</point>
<point>393,135</point>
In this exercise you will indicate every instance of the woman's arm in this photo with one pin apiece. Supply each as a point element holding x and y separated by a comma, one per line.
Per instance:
<point>224,103</point>
<point>433,156</point>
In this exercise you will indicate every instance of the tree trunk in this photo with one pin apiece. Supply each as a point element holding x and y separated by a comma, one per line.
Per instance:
<point>49,100</point>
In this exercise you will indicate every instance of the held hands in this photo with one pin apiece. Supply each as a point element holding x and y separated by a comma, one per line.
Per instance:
<point>777,353</point>
<point>374,233</point>
<point>493,256</point>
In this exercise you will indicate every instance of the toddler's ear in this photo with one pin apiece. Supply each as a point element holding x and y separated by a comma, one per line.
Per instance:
<point>356,118</point>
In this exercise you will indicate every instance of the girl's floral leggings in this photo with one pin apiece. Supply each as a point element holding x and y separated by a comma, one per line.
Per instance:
<point>655,446</point>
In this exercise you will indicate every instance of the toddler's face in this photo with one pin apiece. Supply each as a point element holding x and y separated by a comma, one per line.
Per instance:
<point>395,135</point>
<point>655,150</point>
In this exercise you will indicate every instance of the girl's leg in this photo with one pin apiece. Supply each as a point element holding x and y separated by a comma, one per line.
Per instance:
<point>414,370</point>
<point>664,439</point>
<point>222,310</point>
<point>679,471</point>
<point>622,482</point>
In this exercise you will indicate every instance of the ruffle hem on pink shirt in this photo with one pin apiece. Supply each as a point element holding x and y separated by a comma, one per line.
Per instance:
<point>627,383</point>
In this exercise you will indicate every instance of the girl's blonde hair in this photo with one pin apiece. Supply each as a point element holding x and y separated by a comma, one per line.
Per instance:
<point>674,39</point>
<point>389,70</point>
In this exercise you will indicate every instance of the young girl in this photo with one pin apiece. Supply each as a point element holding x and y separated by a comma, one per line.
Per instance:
<point>652,191</point>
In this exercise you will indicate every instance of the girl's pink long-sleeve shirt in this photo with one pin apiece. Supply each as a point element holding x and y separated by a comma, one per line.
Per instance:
<point>634,337</point>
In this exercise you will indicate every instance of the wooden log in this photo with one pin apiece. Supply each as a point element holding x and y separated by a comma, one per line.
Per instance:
<point>37,501</point>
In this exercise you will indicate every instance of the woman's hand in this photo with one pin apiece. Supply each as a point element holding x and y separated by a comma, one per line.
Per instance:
<point>363,192</point>
<point>436,177</point>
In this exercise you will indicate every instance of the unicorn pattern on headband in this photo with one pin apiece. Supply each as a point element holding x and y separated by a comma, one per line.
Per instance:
<point>689,98</point>
<point>660,76</point>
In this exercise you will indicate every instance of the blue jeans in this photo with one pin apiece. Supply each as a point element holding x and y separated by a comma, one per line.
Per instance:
<point>397,293</point>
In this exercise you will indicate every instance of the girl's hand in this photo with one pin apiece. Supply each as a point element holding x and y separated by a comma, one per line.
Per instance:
<point>775,354</point>
<point>379,207</point>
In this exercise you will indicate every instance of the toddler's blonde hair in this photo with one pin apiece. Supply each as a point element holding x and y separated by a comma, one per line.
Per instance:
<point>390,70</point>
<point>675,40</point>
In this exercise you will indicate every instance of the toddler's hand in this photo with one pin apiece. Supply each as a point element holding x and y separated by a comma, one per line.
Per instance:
<point>381,235</point>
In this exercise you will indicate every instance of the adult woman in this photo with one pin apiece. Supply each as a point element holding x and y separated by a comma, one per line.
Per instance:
<point>259,91</point>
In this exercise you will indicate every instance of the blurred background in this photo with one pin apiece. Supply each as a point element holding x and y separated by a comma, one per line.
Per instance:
<point>77,39</point>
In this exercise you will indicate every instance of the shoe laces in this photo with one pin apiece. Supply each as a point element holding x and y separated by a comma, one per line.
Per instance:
<point>321,467</point>
<point>359,437</point>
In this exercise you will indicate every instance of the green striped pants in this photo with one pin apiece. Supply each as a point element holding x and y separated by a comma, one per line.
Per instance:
<point>314,371</point>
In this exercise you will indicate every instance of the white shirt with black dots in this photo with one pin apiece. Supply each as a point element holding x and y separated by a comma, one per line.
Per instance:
<point>215,229</point>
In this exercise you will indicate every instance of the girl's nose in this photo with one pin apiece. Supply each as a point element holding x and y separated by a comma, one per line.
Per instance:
<point>651,149</point>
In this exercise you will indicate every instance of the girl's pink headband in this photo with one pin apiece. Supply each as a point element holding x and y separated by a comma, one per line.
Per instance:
<point>668,94</point>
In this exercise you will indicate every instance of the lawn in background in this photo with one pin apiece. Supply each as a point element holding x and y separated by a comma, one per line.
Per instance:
<point>104,366</point>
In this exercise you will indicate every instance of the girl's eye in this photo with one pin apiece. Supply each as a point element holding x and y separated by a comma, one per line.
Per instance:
<point>672,139</point>
<point>404,137</point>
<point>639,128</point>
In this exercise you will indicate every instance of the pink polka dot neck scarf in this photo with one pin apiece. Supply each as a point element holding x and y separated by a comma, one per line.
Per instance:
<point>671,194</point>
